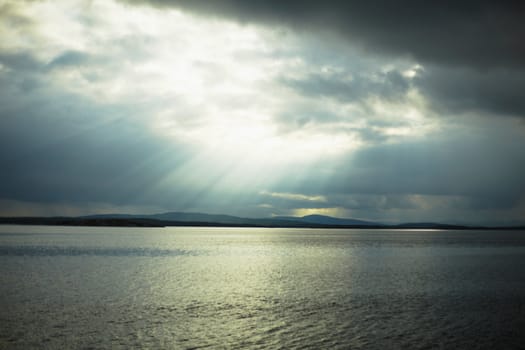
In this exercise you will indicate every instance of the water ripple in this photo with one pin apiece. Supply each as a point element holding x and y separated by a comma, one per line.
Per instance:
<point>89,251</point>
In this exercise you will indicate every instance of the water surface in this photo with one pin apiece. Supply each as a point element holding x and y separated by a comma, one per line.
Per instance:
<point>244,288</point>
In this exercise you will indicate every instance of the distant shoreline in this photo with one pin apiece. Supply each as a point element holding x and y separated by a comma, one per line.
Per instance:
<point>139,222</point>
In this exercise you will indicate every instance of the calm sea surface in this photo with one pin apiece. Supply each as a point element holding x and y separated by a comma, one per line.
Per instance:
<point>243,288</point>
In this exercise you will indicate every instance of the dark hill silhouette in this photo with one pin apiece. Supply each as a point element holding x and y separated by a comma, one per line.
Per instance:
<point>281,221</point>
<point>327,220</point>
<point>201,219</point>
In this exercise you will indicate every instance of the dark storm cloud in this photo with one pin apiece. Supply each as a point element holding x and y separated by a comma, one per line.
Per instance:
<point>487,167</point>
<point>480,33</point>
<point>454,90</point>
<point>53,153</point>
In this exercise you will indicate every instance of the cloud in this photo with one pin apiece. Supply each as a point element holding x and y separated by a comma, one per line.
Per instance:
<point>479,33</point>
<point>258,108</point>
<point>389,85</point>
<point>10,15</point>
<point>483,163</point>
<point>294,196</point>
<point>467,166</point>
<point>467,90</point>
<point>70,59</point>
<point>472,51</point>
<point>20,61</point>
<point>51,157</point>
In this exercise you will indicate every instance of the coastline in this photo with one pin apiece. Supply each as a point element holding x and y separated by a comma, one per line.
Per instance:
<point>262,223</point>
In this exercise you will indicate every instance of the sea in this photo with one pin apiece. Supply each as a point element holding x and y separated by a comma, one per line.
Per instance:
<point>260,288</point>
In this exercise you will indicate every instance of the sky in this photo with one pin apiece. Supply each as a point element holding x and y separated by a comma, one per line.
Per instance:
<point>377,110</point>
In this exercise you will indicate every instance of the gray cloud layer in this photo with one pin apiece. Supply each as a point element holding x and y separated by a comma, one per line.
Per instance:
<point>439,135</point>
<point>389,85</point>
<point>480,33</point>
<point>474,49</point>
<point>492,92</point>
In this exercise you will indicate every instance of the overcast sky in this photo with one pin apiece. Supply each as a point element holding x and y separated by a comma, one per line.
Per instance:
<point>381,110</point>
